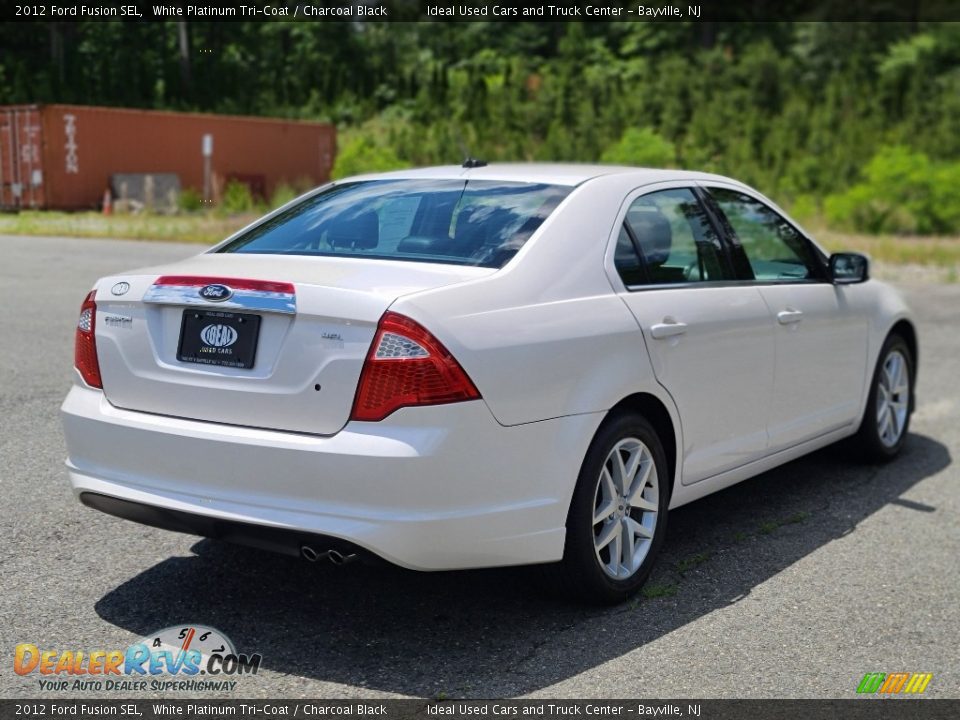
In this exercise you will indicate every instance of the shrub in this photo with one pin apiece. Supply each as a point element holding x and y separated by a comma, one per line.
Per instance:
<point>902,192</point>
<point>804,208</point>
<point>642,147</point>
<point>363,155</point>
<point>282,194</point>
<point>190,200</point>
<point>237,198</point>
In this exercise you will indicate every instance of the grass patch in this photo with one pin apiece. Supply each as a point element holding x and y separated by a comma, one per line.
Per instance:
<point>691,562</point>
<point>942,252</point>
<point>657,591</point>
<point>213,226</point>
<point>206,228</point>
<point>739,536</point>
<point>771,526</point>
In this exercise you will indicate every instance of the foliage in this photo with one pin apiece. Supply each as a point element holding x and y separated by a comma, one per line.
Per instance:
<point>282,194</point>
<point>804,208</point>
<point>641,147</point>
<point>902,192</point>
<point>799,109</point>
<point>189,200</point>
<point>206,228</point>
<point>237,198</point>
<point>363,154</point>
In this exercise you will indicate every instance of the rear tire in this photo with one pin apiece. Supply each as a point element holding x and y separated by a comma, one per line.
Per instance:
<point>886,419</point>
<point>618,515</point>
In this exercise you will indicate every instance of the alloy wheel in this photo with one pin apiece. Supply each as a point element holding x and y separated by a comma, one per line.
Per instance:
<point>893,398</point>
<point>626,503</point>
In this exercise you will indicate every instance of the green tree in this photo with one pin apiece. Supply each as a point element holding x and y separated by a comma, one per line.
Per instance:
<point>362,155</point>
<point>642,147</point>
<point>902,192</point>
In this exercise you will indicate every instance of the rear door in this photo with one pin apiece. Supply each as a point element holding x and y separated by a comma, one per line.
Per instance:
<point>709,339</point>
<point>821,339</point>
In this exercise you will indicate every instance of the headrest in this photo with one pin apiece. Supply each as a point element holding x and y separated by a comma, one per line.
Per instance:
<point>479,224</point>
<point>360,231</point>
<point>653,233</point>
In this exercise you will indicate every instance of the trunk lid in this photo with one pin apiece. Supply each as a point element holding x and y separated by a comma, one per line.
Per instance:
<point>317,319</point>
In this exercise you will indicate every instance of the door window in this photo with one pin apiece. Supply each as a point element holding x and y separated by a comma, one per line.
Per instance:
<point>775,250</point>
<point>667,238</point>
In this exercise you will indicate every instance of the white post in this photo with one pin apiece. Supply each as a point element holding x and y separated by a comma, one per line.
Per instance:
<point>207,150</point>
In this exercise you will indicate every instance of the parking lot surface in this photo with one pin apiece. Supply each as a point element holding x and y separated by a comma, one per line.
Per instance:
<point>793,584</point>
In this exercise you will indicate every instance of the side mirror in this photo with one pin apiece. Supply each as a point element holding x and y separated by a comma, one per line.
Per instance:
<point>848,268</point>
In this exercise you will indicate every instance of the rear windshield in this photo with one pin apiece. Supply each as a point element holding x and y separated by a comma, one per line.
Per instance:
<point>474,222</point>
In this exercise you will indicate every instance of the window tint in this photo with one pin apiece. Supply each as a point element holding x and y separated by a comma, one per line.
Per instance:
<point>627,261</point>
<point>774,248</point>
<point>676,238</point>
<point>452,221</point>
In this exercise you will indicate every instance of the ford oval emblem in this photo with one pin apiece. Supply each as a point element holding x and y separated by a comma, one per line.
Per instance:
<point>216,293</point>
<point>218,335</point>
<point>120,288</point>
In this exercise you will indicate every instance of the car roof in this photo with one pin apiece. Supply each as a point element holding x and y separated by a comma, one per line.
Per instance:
<point>570,174</point>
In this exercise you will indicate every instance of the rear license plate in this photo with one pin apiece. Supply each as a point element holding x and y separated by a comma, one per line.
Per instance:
<point>212,337</point>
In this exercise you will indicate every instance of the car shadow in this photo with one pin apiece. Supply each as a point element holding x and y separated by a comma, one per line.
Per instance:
<point>493,633</point>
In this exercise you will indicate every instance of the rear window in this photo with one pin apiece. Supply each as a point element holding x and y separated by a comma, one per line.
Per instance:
<point>478,222</point>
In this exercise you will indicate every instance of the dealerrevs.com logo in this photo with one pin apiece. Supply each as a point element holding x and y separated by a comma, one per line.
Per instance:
<point>186,657</point>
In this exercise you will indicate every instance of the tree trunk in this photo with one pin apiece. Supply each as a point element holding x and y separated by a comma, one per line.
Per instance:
<point>56,52</point>
<point>183,41</point>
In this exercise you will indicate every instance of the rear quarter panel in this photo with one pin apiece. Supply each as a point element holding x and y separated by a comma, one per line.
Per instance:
<point>547,336</point>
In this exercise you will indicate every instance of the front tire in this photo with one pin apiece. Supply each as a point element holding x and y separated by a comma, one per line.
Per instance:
<point>618,515</point>
<point>886,419</point>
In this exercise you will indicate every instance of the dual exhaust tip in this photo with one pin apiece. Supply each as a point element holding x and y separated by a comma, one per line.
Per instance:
<point>336,557</point>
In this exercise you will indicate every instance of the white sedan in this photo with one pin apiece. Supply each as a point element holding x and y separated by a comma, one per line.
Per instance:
<point>466,367</point>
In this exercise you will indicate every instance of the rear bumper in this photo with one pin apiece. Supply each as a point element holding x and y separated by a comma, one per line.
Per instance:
<point>430,488</point>
<point>280,540</point>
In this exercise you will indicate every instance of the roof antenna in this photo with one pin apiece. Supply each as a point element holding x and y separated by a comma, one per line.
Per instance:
<point>468,160</point>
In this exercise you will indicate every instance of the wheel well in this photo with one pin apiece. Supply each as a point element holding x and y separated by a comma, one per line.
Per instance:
<point>905,329</point>
<point>656,413</point>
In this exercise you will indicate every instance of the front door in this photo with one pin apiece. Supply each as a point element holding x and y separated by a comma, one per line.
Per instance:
<point>821,340</point>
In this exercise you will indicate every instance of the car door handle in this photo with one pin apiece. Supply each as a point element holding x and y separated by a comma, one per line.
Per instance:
<point>788,316</point>
<point>668,328</point>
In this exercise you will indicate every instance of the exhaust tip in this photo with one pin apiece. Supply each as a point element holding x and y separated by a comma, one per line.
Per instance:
<point>311,555</point>
<point>338,558</point>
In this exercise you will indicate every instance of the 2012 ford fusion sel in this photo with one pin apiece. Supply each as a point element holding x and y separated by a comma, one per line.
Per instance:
<point>477,366</point>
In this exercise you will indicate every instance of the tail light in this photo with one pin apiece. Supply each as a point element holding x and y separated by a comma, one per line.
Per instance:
<point>407,366</point>
<point>85,346</point>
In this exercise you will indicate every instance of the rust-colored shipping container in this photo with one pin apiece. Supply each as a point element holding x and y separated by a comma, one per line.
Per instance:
<point>62,156</point>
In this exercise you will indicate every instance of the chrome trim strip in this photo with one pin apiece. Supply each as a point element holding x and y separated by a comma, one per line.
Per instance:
<point>723,283</point>
<point>240,300</point>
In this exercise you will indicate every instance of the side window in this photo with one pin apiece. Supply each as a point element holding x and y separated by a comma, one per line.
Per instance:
<point>774,248</point>
<point>678,243</point>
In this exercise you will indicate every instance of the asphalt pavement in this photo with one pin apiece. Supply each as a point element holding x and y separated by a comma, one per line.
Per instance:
<point>792,584</point>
